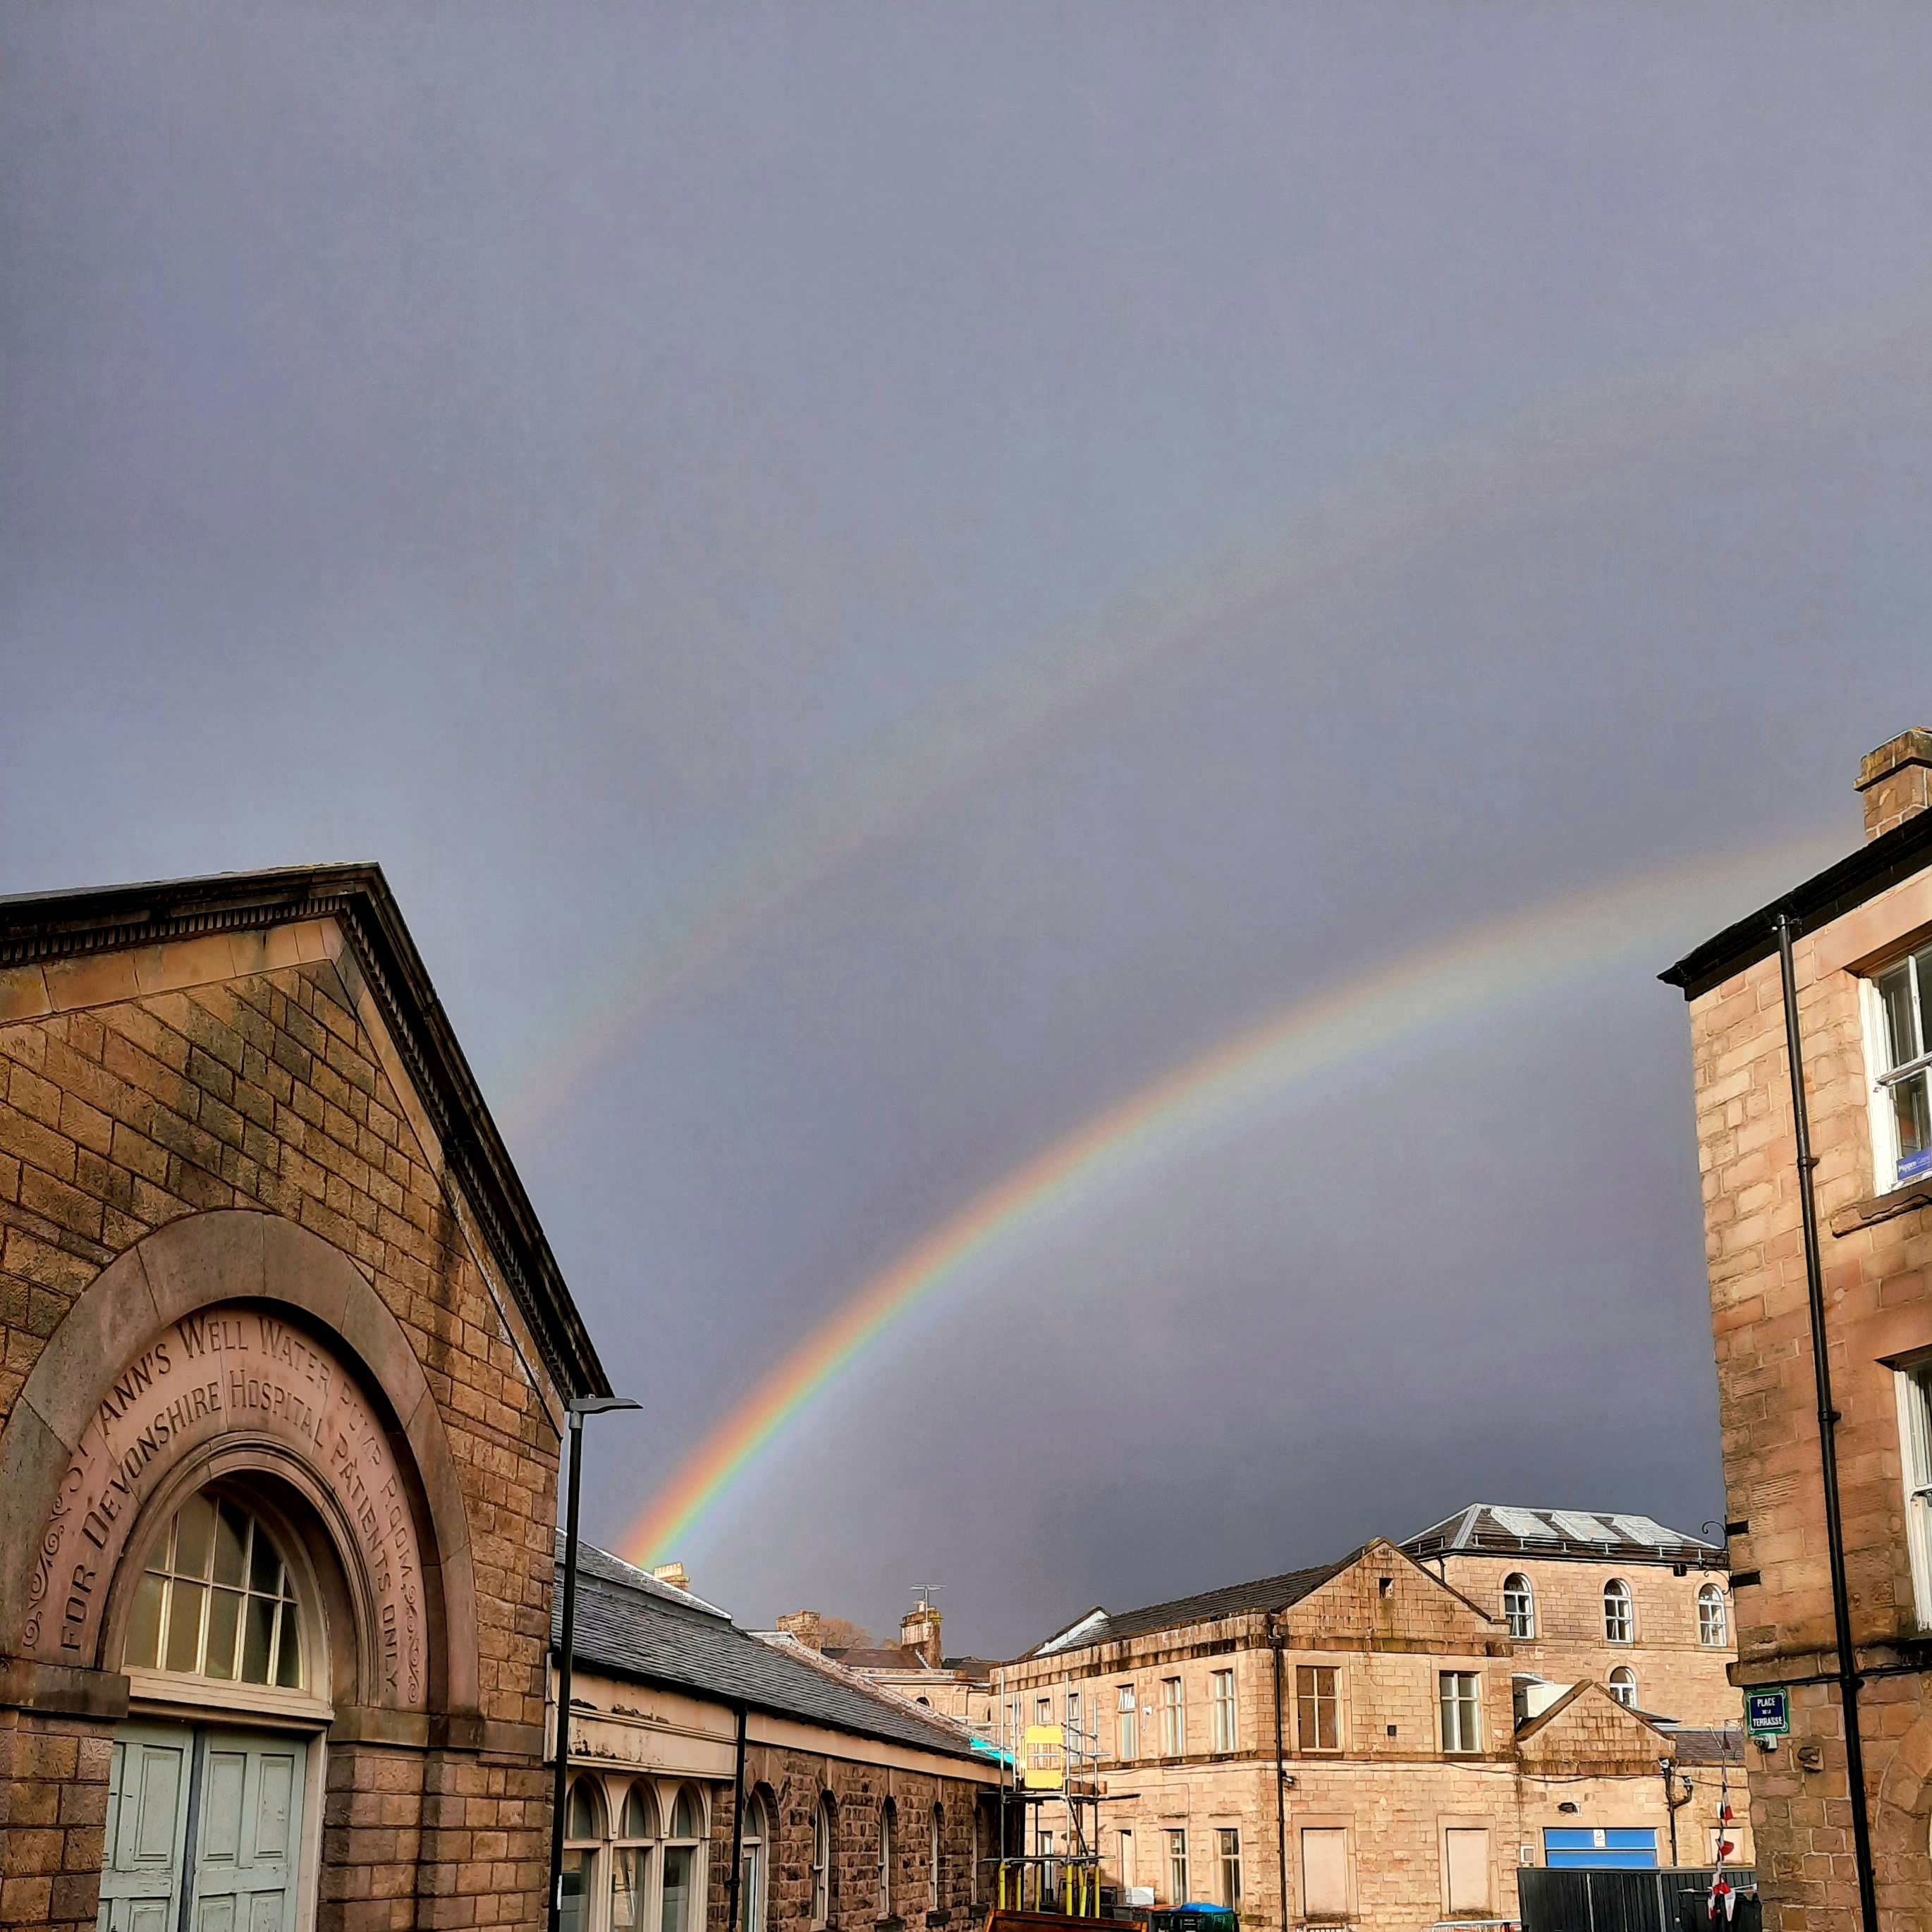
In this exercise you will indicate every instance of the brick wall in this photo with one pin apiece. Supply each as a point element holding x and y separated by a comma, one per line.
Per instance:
<point>123,1110</point>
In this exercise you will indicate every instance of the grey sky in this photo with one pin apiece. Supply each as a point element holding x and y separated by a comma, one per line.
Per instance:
<point>558,451</point>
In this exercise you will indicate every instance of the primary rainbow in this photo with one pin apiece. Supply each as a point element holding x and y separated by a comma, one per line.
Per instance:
<point>1476,972</point>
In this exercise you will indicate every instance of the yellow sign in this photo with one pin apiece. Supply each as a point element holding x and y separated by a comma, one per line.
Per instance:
<point>1045,1757</point>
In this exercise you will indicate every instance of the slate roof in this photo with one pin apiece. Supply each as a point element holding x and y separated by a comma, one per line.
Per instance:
<point>632,1626</point>
<point>39,928</point>
<point>1698,1745</point>
<point>1266,1593</point>
<point>1496,1529</point>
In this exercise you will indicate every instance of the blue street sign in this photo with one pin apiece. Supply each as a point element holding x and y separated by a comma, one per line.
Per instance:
<point>1768,1713</point>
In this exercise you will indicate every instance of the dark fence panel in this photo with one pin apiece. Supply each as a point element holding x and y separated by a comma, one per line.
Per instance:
<point>1622,1901</point>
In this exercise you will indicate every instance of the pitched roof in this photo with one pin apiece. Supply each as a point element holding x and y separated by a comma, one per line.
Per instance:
<point>1496,1529</point>
<point>1266,1593</point>
<point>631,1625</point>
<point>40,927</point>
<point>1877,865</point>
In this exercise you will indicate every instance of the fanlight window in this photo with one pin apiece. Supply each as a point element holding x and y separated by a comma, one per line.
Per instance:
<point>630,1871</point>
<point>217,1601</point>
<point>1623,1684</point>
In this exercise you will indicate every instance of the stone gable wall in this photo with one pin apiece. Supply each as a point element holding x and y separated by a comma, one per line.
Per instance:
<point>267,1091</point>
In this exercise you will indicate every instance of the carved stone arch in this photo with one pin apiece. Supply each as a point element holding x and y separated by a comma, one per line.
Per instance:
<point>229,1257</point>
<point>1902,1824</point>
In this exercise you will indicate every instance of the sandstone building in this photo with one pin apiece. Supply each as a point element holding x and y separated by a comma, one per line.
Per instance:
<point>286,1356</point>
<point>915,1669</point>
<point>846,1807</point>
<point>1355,1742</point>
<point>1861,972</point>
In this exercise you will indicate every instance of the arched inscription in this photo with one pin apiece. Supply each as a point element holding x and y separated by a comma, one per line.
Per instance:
<point>240,1372</point>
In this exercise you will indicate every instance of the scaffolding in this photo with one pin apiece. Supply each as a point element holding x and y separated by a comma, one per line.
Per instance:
<point>1048,1856</point>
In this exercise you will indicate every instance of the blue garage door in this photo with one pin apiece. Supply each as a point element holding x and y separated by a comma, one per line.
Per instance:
<point>1597,1845</point>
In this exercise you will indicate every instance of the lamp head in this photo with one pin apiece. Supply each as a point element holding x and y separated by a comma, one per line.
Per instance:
<point>601,1404</point>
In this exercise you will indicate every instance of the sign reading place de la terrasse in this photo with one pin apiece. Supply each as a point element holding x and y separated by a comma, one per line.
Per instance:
<point>226,1388</point>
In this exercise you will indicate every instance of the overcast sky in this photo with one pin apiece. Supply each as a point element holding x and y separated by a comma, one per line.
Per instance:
<point>981,551</point>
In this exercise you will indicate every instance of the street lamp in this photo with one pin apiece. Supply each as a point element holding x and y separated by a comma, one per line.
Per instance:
<point>583,1405</point>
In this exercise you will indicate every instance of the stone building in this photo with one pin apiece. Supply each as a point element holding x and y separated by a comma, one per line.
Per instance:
<point>1862,970</point>
<point>286,1354</point>
<point>1342,1743</point>
<point>847,1807</point>
<point>915,1668</point>
<point>1618,1601</point>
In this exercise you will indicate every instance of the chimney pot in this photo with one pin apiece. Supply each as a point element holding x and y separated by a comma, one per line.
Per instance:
<point>1895,780</point>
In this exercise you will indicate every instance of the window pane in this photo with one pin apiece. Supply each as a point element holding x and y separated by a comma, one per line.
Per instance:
<point>684,1822</point>
<point>194,1536</point>
<point>627,1889</point>
<point>575,1916</point>
<point>158,1557</point>
<point>1913,1117</point>
<point>184,1626</point>
<point>265,1566</point>
<point>580,1818</point>
<point>288,1653</point>
<point>231,1538</point>
<point>677,1888</point>
<point>637,1814</point>
<point>1894,993</point>
<point>144,1626</point>
<point>258,1631</point>
<point>224,1625</point>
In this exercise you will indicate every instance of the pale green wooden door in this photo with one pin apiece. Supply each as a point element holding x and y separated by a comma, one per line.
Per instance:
<point>248,1840</point>
<point>147,1827</point>
<point>237,1796</point>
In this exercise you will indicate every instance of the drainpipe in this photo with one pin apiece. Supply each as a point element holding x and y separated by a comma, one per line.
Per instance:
<point>1280,1772</point>
<point>1828,1449</point>
<point>738,1827</point>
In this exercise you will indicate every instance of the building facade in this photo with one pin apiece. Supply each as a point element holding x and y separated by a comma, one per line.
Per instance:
<point>1619,1600</point>
<point>1343,1744</point>
<point>692,1739</point>
<point>285,1359</point>
<point>1861,961</point>
<point>915,1669</point>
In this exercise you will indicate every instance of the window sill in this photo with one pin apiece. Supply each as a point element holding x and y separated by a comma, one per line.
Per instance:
<point>1868,1214</point>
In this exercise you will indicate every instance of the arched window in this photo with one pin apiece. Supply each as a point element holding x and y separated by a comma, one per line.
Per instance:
<point>1618,1625</point>
<point>886,1859</point>
<point>217,1601</point>
<point>680,1864</point>
<point>1623,1684</point>
<point>1518,1606</point>
<point>630,1859</point>
<point>1712,1623</point>
<point>583,1841</point>
<point>754,1864</point>
<point>821,1861</point>
<point>932,1862</point>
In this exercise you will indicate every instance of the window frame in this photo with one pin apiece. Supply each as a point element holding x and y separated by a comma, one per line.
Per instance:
<point>1173,1718</point>
<point>935,1853</point>
<point>1460,1701</point>
<point>621,1841</point>
<point>824,1836</point>
<point>1127,1723</point>
<point>1224,1721</point>
<point>1228,1858</point>
<point>1519,1618</point>
<point>1177,1863</point>
<point>1883,1077</point>
<point>1709,1596</point>
<point>1310,1703</point>
<point>1621,1680</point>
<point>888,1817</point>
<point>1912,1381</point>
<point>1616,1590</point>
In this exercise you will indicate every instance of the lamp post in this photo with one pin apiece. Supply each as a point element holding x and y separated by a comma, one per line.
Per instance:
<point>581,1406</point>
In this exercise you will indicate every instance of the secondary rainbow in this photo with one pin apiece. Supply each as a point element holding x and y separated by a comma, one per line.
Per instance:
<point>1478,971</point>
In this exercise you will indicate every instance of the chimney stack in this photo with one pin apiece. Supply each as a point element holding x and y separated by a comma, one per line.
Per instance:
<point>1896,781</point>
<point>808,1626</point>
<point>918,1630</point>
<point>673,1574</point>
